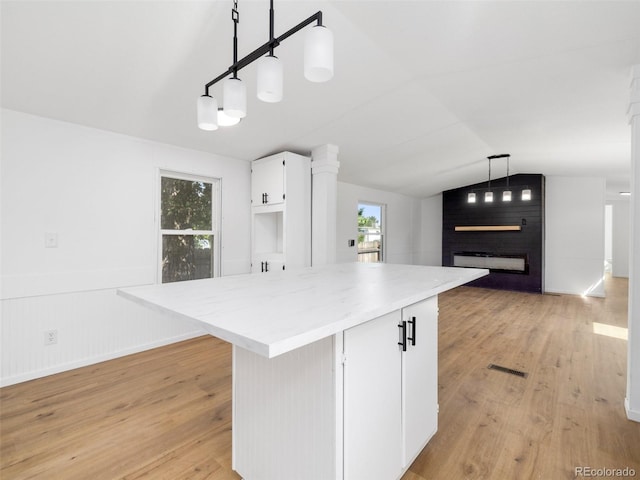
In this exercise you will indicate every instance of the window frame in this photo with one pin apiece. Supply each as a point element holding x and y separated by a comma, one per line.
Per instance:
<point>216,218</point>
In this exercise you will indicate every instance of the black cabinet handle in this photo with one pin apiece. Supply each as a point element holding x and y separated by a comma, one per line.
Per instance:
<point>403,335</point>
<point>412,322</point>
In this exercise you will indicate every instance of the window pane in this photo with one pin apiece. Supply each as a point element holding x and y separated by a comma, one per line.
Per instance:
<point>186,257</point>
<point>185,204</point>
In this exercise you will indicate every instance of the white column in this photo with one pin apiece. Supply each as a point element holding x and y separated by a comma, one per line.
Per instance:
<point>632,402</point>
<point>324,171</point>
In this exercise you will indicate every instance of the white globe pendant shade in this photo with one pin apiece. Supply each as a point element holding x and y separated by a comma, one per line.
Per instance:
<point>234,97</point>
<point>318,54</point>
<point>225,120</point>
<point>270,79</point>
<point>207,113</point>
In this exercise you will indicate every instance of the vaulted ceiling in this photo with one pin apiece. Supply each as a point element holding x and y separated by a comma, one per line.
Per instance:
<point>423,91</point>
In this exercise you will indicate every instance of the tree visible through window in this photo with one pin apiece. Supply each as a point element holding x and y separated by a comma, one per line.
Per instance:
<point>187,229</point>
<point>370,235</point>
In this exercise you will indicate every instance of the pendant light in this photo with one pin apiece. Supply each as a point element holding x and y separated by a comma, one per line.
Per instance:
<point>318,54</point>
<point>506,195</point>
<point>234,97</point>
<point>526,194</point>
<point>225,120</point>
<point>471,197</point>
<point>488,195</point>
<point>207,113</point>
<point>318,67</point>
<point>270,79</point>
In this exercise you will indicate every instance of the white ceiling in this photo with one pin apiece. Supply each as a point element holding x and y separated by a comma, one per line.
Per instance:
<point>423,90</point>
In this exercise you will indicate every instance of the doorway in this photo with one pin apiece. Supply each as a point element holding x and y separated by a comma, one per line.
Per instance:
<point>370,232</point>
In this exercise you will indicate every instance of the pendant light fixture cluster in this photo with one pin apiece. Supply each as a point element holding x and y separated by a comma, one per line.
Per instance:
<point>318,67</point>
<point>507,194</point>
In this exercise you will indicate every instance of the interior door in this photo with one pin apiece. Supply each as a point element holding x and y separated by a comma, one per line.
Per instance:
<point>420,377</point>
<point>372,401</point>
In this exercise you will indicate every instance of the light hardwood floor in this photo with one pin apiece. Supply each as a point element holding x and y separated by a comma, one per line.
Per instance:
<point>166,413</point>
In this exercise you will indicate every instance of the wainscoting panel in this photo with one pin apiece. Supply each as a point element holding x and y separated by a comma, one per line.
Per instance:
<point>91,327</point>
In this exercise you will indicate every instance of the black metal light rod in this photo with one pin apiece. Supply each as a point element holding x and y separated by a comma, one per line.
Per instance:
<point>263,49</point>
<point>502,155</point>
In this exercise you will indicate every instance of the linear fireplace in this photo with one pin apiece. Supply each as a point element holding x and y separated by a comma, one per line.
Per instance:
<point>493,261</point>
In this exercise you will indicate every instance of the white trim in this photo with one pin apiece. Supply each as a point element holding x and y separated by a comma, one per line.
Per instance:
<point>633,415</point>
<point>24,377</point>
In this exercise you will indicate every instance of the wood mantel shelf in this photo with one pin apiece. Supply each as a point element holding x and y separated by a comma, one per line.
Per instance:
<point>489,228</point>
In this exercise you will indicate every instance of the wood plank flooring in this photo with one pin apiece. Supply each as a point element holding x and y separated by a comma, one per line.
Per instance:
<point>166,413</point>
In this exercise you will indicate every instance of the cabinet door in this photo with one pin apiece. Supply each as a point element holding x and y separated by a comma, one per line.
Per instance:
<point>420,377</point>
<point>372,402</point>
<point>267,181</point>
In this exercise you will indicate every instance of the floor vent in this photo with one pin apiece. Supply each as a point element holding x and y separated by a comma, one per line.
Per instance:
<point>507,370</point>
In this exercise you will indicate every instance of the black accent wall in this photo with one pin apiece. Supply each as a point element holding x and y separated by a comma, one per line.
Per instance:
<point>529,241</point>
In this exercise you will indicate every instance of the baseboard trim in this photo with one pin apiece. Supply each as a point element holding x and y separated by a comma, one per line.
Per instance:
<point>25,377</point>
<point>631,414</point>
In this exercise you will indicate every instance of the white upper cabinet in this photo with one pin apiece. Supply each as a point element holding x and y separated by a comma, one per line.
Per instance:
<point>267,180</point>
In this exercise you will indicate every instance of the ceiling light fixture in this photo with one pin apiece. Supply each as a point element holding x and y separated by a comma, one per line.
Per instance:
<point>318,67</point>
<point>507,194</point>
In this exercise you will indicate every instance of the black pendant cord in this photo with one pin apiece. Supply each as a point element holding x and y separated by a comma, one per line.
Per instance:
<point>507,173</point>
<point>235,16</point>
<point>271,22</point>
<point>261,50</point>
<point>502,155</point>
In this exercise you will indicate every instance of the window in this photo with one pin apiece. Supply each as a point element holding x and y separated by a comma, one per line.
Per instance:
<point>189,233</point>
<point>370,233</point>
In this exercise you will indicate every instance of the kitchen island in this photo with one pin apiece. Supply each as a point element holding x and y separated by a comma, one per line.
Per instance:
<point>334,367</point>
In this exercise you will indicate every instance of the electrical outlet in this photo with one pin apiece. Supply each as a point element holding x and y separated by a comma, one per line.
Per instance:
<point>50,337</point>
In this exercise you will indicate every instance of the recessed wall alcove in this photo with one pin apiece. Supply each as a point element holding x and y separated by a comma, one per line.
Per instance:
<point>506,237</point>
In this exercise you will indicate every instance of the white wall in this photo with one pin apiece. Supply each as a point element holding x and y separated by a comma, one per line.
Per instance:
<point>402,223</point>
<point>574,231</point>
<point>620,236</point>
<point>430,247</point>
<point>608,236</point>
<point>98,192</point>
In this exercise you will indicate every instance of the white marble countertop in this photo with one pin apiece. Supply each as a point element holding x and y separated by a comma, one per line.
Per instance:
<point>271,314</point>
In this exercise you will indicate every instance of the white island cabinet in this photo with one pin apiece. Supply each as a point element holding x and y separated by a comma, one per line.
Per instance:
<point>334,367</point>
